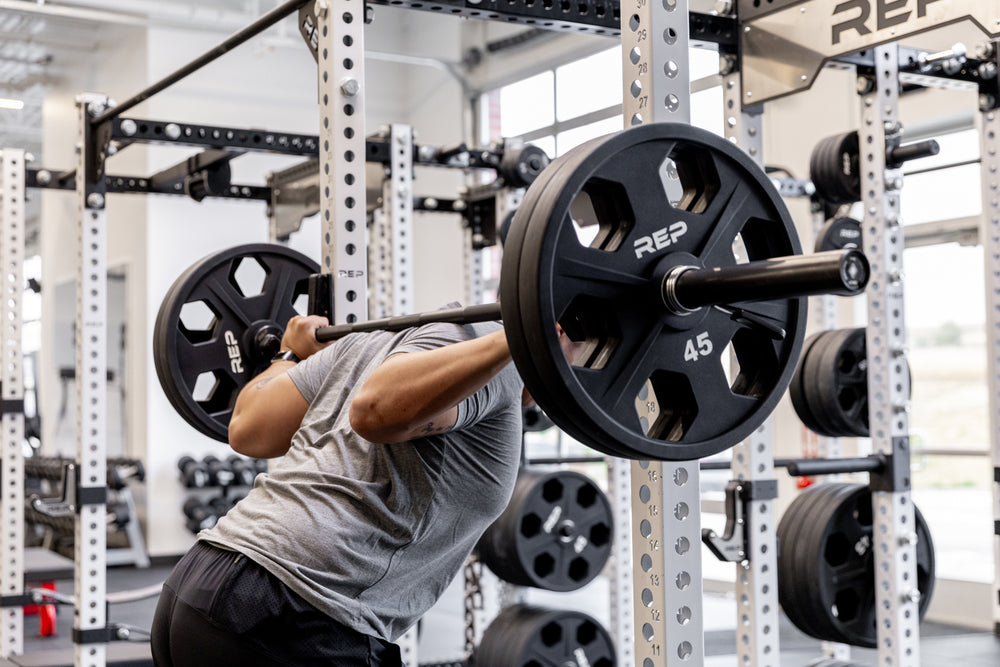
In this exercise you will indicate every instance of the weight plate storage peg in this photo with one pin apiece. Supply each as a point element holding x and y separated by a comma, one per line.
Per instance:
<point>826,564</point>
<point>523,636</point>
<point>554,535</point>
<point>221,323</point>
<point>593,243</point>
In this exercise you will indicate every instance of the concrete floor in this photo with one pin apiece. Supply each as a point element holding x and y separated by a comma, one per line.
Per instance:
<point>441,636</point>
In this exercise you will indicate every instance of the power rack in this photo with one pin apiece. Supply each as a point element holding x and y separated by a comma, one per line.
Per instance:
<point>668,628</point>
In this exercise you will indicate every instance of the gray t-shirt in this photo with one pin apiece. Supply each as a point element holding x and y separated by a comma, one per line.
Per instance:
<point>372,534</point>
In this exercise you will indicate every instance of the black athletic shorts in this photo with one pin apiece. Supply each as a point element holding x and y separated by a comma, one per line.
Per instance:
<point>218,607</point>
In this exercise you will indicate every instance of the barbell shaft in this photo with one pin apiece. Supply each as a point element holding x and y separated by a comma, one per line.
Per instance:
<point>486,312</point>
<point>835,272</point>
<point>844,272</point>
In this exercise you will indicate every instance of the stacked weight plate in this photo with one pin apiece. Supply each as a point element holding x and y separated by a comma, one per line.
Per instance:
<point>834,169</point>
<point>523,636</point>
<point>590,244</point>
<point>829,389</point>
<point>826,567</point>
<point>554,535</point>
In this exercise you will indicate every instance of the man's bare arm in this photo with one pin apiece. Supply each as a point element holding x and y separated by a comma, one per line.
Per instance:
<point>417,393</point>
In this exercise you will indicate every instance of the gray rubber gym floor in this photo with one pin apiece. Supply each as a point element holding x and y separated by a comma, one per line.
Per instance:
<point>441,635</point>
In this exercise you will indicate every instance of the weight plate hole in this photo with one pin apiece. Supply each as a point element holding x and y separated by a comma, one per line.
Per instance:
<point>552,491</point>
<point>248,277</point>
<point>544,565</point>
<point>531,525</point>
<point>600,535</point>
<point>197,321</point>
<point>579,569</point>
<point>661,420</point>
<point>593,335</point>
<point>689,179</point>
<point>552,634</point>
<point>602,215</point>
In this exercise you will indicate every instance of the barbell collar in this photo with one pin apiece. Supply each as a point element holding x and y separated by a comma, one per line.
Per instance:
<point>844,272</point>
<point>485,312</point>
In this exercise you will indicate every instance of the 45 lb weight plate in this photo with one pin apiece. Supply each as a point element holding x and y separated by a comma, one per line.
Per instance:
<point>591,244</point>
<point>219,325</point>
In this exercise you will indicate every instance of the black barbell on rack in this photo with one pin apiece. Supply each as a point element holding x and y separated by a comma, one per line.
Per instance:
<point>660,248</point>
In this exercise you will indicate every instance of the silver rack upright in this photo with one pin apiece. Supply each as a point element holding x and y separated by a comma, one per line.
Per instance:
<point>666,502</point>
<point>12,230</point>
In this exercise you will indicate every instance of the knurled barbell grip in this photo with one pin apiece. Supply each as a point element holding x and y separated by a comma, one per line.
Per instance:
<point>844,272</point>
<point>485,312</point>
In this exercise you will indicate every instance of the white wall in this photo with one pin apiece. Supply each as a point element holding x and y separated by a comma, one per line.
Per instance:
<point>126,225</point>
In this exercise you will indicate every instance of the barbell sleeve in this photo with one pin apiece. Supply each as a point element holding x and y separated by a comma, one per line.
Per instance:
<point>485,312</point>
<point>845,272</point>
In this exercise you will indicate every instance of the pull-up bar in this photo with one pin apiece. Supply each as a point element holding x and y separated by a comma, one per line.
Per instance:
<point>237,38</point>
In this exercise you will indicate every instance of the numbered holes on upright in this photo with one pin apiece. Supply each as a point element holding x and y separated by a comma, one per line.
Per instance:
<point>666,406</point>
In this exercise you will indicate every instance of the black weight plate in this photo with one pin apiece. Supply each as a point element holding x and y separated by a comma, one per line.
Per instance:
<point>534,419</point>
<point>844,390</point>
<point>797,586</point>
<point>838,233</point>
<point>796,391</point>
<point>839,604</point>
<point>841,381</point>
<point>537,384</point>
<point>834,169</point>
<point>789,537</point>
<point>608,290</point>
<point>513,238</point>
<point>204,352</point>
<point>523,636</point>
<point>555,533</point>
<point>812,376</point>
<point>825,503</point>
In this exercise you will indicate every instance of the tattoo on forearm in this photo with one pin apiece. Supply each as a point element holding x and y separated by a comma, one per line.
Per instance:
<point>431,429</point>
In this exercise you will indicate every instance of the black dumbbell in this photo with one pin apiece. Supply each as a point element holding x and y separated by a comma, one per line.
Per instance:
<point>243,469</point>
<point>260,465</point>
<point>200,516</point>
<point>220,473</point>
<point>194,475</point>
<point>220,505</point>
<point>118,515</point>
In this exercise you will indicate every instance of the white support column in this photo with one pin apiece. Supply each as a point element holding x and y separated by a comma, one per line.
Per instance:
<point>990,235</point>
<point>753,462</point>
<point>12,503</point>
<point>91,395</point>
<point>379,271</point>
<point>620,575</point>
<point>888,391</point>
<point>666,503</point>
<point>472,267</point>
<point>397,201</point>
<point>397,197</point>
<point>340,35</point>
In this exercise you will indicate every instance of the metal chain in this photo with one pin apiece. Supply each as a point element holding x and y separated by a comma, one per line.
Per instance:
<point>473,601</point>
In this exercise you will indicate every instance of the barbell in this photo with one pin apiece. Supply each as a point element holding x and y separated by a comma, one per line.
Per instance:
<point>663,248</point>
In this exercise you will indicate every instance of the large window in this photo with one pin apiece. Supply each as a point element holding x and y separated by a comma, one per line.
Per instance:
<point>945,310</point>
<point>568,105</point>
